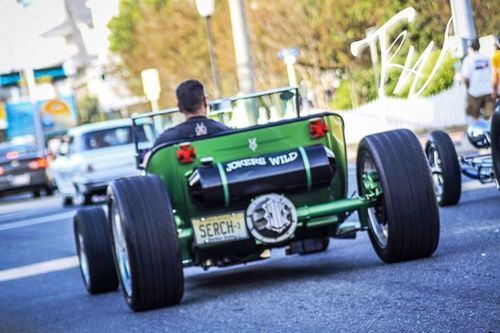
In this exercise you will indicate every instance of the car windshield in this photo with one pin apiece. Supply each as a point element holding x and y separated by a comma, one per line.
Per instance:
<point>116,136</point>
<point>238,112</point>
<point>8,150</point>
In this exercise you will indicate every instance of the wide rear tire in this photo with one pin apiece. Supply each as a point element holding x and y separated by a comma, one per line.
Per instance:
<point>93,247</point>
<point>404,224</point>
<point>146,247</point>
<point>445,169</point>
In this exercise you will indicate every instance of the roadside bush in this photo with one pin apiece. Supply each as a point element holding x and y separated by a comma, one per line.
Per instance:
<point>88,110</point>
<point>359,87</point>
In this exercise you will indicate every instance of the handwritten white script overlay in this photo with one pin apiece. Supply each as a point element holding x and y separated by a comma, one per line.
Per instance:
<point>410,69</point>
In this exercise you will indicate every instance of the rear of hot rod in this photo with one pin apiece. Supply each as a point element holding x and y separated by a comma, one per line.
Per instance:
<point>232,197</point>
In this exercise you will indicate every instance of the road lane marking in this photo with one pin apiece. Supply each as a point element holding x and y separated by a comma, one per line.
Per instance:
<point>27,214</point>
<point>39,220</point>
<point>475,228</point>
<point>38,268</point>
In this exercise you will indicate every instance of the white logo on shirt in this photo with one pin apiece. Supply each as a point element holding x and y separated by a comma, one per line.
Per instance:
<point>200,129</point>
<point>252,144</point>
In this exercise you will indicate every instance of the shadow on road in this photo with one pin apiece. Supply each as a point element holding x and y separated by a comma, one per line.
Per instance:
<point>293,268</point>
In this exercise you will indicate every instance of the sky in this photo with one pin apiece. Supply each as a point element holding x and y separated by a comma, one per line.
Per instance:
<point>20,29</point>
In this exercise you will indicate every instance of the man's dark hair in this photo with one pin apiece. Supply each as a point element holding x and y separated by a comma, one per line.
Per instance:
<point>474,44</point>
<point>190,95</point>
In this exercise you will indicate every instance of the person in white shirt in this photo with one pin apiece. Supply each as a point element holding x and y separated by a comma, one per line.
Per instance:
<point>476,72</point>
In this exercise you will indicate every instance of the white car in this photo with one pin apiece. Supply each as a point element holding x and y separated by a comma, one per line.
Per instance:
<point>94,155</point>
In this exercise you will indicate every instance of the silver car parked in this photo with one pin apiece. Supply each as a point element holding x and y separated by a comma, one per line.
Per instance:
<point>95,154</point>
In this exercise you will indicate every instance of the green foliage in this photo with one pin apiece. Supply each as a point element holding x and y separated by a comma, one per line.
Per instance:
<point>360,86</point>
<point>123,27</point>
<point>88,110</point>
<point>342,99</point>
<point>443,78</point>
<point>170,36</point>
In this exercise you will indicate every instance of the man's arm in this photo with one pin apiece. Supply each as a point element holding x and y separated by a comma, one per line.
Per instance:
<point>495,84</point>
<point>494,80</point>
<point>467,82</point>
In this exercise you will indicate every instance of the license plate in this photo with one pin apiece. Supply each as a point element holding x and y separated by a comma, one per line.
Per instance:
<point>220,228</point>
<point>21,179</point>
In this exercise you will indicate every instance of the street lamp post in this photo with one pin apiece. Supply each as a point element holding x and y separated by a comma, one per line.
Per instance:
<point>29,77</point>
<point>206,9</point>
<point>289,57</point>
<point>152,89</point>
<point>242,49</point>
<point>463,22</point>
<point>373,54</point>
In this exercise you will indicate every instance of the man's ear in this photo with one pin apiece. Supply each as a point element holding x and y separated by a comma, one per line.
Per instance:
<point>180,109</point>
<point>205,102</point>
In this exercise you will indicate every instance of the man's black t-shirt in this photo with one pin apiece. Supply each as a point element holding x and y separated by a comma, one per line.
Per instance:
<point>191,128</point>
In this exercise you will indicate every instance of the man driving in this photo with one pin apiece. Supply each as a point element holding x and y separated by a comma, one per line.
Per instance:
<point>192,102</point>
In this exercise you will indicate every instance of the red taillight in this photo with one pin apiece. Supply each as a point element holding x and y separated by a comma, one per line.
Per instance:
<point>317,128</point>
<point>11,155</point>
<point>40,163</point>
<point>2,171</point>
<point>186,153</point>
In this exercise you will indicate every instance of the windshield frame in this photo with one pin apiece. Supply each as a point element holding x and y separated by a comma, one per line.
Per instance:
<point>138,117</point>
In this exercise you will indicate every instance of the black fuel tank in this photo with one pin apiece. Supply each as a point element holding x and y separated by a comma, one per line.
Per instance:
<point>301,168</point>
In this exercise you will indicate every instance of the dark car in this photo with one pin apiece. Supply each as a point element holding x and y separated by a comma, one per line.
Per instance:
<point>23,168</point>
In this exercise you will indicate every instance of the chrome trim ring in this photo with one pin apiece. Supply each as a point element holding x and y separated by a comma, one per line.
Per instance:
<point>121,251</point>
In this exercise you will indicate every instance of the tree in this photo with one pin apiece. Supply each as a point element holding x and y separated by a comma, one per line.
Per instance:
<point>170,35</point>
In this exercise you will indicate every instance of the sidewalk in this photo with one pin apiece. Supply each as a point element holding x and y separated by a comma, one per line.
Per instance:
<point>458,136</point>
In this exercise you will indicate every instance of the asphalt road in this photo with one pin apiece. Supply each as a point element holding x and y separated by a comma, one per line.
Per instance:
<point>345,289</point>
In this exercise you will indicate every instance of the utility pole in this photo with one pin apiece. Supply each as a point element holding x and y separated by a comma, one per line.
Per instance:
<point>213,59</point>
<point>463,22</point>
<point>374,55</point>
<point>206,9</point>
<point>244,64</point>
<point>29,77</point>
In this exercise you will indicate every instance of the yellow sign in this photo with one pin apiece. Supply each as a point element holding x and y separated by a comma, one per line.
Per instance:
<point>3,117</point>
<point>57,107</point>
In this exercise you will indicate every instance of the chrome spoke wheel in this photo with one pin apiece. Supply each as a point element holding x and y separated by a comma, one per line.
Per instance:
<point>376,215</point>
<point>121,251</point>
<point>84,262</point>
<point>436,167</point>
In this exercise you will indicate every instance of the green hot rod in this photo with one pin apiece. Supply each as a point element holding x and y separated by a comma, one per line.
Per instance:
<point>279,179</point>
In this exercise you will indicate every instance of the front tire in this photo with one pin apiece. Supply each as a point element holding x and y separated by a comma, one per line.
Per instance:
<point>495,144</point>
<point>146,247</point>
<point>67,201</point>
<point>404,223</point>
<point>93,247</point>
<point>49,190</point>
<point>443,161</point>
<point>84,199</point>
